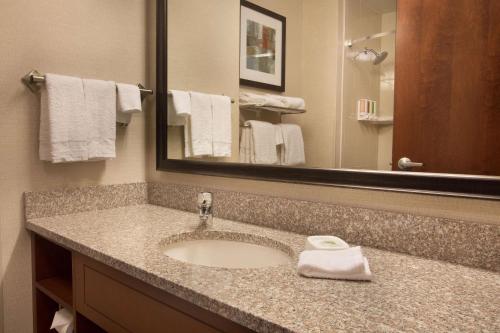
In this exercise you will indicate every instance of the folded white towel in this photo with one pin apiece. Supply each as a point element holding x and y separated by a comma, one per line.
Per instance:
<point>128,102</point>
<point>261,100</point>
<point>262,143</point>
<point>100,103</point>
<point>179,108</point>
<point>63,120</point>
<point>348,264</point>
<point>292,149</point>
<point>290,102</point>
<point>221,129</point>
<point>198,130</point>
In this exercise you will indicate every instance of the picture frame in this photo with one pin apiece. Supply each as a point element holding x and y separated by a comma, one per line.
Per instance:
<point>262,47</point>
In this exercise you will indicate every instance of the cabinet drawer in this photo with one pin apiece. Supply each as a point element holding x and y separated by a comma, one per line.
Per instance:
<point>120,303</point>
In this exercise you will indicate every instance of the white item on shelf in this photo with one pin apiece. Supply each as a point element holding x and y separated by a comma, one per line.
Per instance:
<point>289,102</point>
<point>325,243</point>
<point>63,321</point>
<point>221,115</point>
<point>346,264</point>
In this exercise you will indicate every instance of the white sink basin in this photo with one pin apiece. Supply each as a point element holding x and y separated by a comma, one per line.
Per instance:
<point>226,253</point>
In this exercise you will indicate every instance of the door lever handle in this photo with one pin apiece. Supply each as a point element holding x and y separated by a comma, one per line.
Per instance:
<point>405,163</point>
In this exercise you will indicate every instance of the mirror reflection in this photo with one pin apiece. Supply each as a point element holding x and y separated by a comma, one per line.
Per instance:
<point>311,84</point>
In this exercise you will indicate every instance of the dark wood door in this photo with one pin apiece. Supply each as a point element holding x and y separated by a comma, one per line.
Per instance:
<point>447,92</point>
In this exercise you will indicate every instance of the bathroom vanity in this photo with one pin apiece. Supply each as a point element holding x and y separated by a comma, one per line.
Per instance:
<point>108,266</point>
<point>101,296</point>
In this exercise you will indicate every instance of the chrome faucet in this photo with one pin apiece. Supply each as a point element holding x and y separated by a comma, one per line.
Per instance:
<point>205,200</point>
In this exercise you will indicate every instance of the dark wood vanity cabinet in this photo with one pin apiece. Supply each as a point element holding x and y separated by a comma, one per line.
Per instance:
<point>103,299</point>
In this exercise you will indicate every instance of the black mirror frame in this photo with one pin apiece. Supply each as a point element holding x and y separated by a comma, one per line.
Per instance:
<point>482,187</point>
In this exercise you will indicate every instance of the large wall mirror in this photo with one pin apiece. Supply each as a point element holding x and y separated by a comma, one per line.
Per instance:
<point>391,94</point>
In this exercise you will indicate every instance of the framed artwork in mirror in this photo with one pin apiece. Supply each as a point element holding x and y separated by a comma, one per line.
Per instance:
<point>262,47</point>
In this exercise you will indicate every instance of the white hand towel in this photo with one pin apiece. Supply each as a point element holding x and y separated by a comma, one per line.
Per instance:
<point>63,120</point>
<point>348,264</point>
<point>263,142</point>
<point>128,102</point>
<point>198,130</point>
<point>245,145</point>
<point>179,108</point>
<point>100,103</point>
<point>292,149</point>
<point>221,129</point>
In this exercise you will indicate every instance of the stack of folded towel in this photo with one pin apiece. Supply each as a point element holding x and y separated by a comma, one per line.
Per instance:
<point>335,262</point>
<point>206,120</point>
<point>247,98</point>
<point>78,117</point>
<point>264,143</point>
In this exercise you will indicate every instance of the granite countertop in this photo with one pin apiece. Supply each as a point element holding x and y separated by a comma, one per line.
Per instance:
<point>408,294</point>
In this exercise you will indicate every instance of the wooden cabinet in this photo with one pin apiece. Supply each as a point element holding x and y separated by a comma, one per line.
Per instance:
<point>105,300</point>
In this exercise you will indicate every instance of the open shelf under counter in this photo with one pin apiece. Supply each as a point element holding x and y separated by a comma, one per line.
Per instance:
<point>58,289</point>
<point>275,109</point>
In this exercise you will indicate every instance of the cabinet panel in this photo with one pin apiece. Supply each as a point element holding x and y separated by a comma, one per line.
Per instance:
<point>119,303</point>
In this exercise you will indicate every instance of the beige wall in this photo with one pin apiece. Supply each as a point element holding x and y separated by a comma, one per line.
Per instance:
<point>386,102</point>
<point>91,38</point>
<point>359,145</point>
<point>203,56</point>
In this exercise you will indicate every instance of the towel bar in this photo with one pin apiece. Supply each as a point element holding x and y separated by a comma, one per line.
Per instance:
<point>33,78</point>
<point>232,100</point>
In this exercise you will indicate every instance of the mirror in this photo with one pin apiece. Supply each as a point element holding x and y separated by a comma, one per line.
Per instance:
<point>334,84</point>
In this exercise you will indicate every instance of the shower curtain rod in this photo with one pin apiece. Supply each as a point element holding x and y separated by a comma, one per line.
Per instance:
<point>350,43</point>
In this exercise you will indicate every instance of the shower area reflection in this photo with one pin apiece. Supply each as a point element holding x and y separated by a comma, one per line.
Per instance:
<point>365,133</point>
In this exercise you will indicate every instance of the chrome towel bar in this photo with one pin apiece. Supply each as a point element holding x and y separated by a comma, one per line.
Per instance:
<point>33,78</point>
<point>170,94</point>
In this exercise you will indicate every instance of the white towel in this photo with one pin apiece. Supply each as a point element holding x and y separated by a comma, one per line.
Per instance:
<point>292,149</point>
<point>100,103</point>
<point>246,145</point>
<point>262,142</point>
<point>63,120</point>
<point>261,100</point>
<point>348,264</point>
<point>198,130</point>
<point>290,102</point>
<point>179,108</point>
<point>128,102</point>
<point>221,129</point>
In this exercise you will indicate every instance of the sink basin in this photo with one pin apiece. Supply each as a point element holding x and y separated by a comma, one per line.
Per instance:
<point>228,250</point>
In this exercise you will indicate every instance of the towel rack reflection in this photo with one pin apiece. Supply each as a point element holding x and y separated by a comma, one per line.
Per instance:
<point>33,78</point>
<point>170,94</point>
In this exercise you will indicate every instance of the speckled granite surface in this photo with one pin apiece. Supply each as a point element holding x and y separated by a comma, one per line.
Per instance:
<point>472,244</point>
<point>80,199</point>
<point>408,294</point>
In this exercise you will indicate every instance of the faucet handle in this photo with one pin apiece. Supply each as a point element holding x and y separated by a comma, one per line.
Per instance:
<point>205,199</point>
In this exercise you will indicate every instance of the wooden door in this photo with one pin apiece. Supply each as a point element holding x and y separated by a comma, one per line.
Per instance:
<point>447,91</point>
